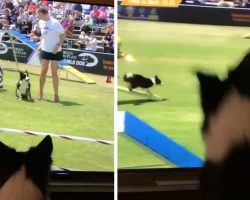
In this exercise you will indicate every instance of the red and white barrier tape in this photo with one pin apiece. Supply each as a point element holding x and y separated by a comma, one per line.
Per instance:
<point>66,137</point>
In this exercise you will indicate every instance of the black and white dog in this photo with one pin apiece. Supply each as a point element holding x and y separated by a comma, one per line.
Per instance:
<point>226,133</point>
<point>25,175</point>
<point>139,81</point>
<point>23,86</point>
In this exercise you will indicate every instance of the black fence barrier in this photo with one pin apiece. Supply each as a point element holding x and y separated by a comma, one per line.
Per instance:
<point>23,52</point>
<point>90,62</point>
<point>84,61</point>
<point>189,14</point>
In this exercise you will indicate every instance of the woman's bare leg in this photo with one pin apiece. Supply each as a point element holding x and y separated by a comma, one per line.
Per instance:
<point>43,74</point>
<point>55,79</point>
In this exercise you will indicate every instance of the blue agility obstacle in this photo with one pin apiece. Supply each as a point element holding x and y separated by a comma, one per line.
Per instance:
<point>160,143</point>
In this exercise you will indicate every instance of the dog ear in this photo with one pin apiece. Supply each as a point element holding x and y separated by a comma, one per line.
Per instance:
<point>245,63</point>
<point>210,91</point>
<point>21,75</point>
<point>207,82</point>
<point>240,76</point>
<point>6,153</point>
<point>45,147</point>
<point>4,148</point>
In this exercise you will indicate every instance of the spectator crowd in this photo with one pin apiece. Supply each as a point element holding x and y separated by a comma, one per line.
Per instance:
<point>220,3</point>
<point>87,27</point>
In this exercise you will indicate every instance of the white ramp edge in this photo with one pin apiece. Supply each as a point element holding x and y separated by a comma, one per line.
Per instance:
<point>120,121</point>
<point>34,59</point>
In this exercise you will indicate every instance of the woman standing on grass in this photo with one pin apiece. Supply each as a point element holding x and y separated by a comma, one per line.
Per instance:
<point>52,37</point>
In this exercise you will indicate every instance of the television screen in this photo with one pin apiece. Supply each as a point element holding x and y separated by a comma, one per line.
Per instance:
<point>78,115</point>
<point>160,124</point>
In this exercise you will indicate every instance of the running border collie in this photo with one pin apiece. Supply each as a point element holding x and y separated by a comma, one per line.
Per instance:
<point>139,81</point>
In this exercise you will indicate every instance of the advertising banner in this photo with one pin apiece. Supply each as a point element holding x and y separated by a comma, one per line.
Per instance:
<point>200,14</point>
<point>90,62</point>
<point>23,52</point>
<point>84,61</point>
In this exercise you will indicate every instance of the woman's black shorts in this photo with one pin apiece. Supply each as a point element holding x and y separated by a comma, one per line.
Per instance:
<point>50,56</point>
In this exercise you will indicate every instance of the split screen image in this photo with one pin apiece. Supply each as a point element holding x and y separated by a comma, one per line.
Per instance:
<point>115,100</point>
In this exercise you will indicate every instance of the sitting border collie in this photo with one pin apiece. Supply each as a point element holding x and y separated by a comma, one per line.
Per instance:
<point>139,81</point>
<point>23,86</point>
<point>226,134</point>
<point>24,175</point>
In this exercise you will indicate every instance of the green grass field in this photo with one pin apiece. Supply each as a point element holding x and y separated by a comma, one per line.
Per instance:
<point>148,158</point>
<point>173,51</point>
<point>84,110</point>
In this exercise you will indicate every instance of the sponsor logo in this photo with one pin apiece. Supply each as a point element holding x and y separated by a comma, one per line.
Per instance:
<point>88,59</point>
<point>3,48</point>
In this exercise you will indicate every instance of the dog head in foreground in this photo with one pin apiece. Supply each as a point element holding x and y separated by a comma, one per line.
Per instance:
<point>226,133</point>
<point>24,175</point>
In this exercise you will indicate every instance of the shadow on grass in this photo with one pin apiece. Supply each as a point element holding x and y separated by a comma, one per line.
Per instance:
<point>64,103</point>
<point>138,102</point>
<point>2,90</point>
<point>27,100</point>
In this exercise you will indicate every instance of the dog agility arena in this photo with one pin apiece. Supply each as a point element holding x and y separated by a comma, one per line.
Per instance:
<point>153,140</point>
<point>70,124</point>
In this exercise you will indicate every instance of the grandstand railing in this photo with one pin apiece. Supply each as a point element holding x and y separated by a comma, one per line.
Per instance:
<point>185,13</point>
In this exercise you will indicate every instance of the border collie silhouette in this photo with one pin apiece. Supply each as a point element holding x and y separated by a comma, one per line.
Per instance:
<point>24,175</point>
<point>226,134</point>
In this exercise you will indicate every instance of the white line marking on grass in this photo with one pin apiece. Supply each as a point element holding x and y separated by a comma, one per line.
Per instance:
<point>66,137</point>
